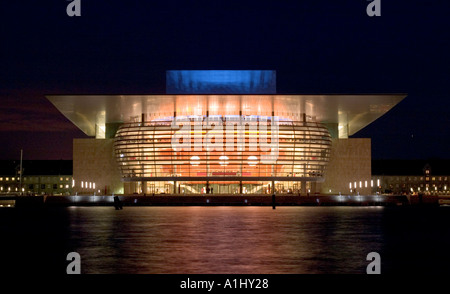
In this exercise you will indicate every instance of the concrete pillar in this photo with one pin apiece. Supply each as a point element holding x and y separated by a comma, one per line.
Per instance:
<point>144,187</point>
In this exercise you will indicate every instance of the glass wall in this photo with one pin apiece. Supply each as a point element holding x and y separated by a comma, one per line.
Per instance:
<point>212,147</point>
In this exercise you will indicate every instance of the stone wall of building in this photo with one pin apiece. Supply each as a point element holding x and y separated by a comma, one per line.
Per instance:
<point>94,162</point>
<point>350,162</point>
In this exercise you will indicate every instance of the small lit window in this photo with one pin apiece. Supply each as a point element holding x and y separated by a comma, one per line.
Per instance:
<point>7,179</point>
<point>12,179</point>
<point>67,186</point>
<point>61,179</point>
<point>1,179</point>
<point>61,186</point>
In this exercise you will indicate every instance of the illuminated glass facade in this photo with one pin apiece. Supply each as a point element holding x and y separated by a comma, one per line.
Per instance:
<point>256,154</point>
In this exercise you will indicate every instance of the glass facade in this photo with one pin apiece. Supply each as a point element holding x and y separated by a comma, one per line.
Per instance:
<point>222,154</point>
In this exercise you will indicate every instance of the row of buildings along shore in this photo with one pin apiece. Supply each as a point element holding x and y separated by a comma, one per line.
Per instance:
<point>54,177</point>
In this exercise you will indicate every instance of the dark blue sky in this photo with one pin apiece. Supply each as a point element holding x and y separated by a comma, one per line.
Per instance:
<point>316,46</point>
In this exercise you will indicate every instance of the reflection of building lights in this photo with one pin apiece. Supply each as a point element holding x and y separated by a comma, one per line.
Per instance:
<point>252,160</point>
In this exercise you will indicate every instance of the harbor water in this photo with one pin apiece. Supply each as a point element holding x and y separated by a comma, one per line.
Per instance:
<point>225,240</point>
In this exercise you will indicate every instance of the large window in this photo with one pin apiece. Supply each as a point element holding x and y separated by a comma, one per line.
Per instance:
<point>147,150</point>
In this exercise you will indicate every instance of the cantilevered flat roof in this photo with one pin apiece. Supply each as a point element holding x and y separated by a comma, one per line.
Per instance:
<point>350,111</point>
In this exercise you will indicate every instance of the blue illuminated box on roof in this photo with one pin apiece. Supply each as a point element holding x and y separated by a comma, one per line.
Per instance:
<point>221,82</point>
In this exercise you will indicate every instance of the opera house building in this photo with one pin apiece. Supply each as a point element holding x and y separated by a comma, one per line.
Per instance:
<point>222,132</point>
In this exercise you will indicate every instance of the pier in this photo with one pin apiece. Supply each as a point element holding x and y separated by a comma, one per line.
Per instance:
<point>225,200</point>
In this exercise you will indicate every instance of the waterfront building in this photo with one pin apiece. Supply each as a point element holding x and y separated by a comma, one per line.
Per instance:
<point>429,177</point>
<point>222,132</point>
<point>40,177</point>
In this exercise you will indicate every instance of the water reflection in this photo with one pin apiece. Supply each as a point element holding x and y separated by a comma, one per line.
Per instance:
<point>253,240</point>
<point>225,240</point>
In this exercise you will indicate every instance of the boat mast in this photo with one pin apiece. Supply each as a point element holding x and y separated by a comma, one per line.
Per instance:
<point>20,171</point>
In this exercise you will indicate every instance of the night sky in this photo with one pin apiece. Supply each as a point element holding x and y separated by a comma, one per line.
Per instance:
<point>316,47</point>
